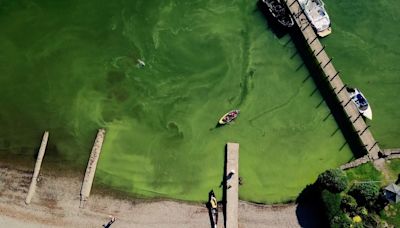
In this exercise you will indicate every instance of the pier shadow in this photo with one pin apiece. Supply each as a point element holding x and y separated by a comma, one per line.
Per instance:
<point>336,110</point>
<point>224,185</point>
<point>278,29</point>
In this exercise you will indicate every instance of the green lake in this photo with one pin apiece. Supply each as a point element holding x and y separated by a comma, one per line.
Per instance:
<point>70,67</point>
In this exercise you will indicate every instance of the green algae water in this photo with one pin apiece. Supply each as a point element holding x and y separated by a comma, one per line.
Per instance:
<point>365,45</point>
<point>71,67</point>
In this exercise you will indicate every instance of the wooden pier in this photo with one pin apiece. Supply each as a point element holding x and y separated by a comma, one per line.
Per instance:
<point>232,185</point>
<point>91,167</point>
<point>333,78</point>
<point>38,164</point>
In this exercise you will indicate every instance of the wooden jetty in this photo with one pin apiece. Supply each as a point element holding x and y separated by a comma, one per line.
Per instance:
<point>232,185</point>
<point>332,76</point>
<point>42,150</point>
<point>91,167</point>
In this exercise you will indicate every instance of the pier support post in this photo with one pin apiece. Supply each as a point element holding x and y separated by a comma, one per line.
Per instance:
<point>323,48</point>
<point>364,129</point>
<point>91,167</point>
<point>330,60</point>
<point>359,115</point>
<point>315,38</point>
<point>42,149</point>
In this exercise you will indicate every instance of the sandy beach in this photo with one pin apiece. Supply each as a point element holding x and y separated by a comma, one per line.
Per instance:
<point>56,204</point>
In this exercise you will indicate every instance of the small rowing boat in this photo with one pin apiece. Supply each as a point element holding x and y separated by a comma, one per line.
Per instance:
<point>229,117</point>
<point>361,102</point>
<point>213,206</point>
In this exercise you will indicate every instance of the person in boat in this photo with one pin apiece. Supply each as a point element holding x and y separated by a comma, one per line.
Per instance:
<point>232,115</point>
<point>213,201</point>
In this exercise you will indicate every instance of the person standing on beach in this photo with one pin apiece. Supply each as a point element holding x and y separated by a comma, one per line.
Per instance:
<point>112,220</point>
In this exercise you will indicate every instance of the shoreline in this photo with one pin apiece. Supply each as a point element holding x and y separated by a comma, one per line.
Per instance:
<point>56,204</point>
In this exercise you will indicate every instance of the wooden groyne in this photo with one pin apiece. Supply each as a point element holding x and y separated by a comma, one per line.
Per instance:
<point>333,78</point>
<point>392,151</point>
<point>388,154</point>
<point>356,163</point>
<point>91,167</point>
<point>232,185</point>
<point>38,164</point>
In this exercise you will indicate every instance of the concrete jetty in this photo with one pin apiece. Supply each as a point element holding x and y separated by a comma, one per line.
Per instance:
<point>333,78</point>
<point>42,150</point>
<point>91,167</point>
<point>232,185</point>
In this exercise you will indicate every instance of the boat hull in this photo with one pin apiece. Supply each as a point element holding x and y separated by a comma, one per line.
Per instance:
<point>367,113</point>
<point>223,120</point>
<point>325,32</point>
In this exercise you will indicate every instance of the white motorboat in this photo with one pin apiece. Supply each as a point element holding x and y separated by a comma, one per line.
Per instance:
<point>317,15</point>
<point>361,102</point>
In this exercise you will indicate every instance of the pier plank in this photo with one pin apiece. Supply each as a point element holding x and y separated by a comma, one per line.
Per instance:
<point>232,185</point>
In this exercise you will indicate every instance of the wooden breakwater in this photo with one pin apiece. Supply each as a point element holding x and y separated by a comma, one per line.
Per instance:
<point>332,76</point>
<point>232,185</point>
<point>392,151</point>
<point>388,154</point>
<point>356,163</point>
<point>91,168</point>
<point>38,164</point>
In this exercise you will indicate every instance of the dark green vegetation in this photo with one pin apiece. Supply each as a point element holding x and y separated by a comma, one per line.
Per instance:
<point>367,172</point>
<point>71,67</point>
<point>334,180</point>
<point>391,213</point>
<point>358,204</point>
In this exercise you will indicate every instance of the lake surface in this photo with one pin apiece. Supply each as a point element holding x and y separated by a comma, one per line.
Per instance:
<point>70,67</point>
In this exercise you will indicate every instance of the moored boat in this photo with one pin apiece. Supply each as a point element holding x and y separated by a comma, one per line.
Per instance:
<point>213,204</point>
<point>279,12</point>
<point>361,102</point>
<point>317,15</point>
<point>229,117</point>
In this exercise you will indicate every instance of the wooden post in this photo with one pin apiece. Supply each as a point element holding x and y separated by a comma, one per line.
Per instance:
<point>38,164</point>
<point>91,167</point>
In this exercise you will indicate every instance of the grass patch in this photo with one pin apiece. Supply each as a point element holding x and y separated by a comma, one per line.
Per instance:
<point>394,167</point>
<point>365,172</point>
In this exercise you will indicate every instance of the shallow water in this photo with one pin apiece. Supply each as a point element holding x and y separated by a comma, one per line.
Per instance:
<point>71,67</point>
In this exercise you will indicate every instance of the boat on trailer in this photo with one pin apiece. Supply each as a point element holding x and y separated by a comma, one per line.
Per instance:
<point>361,102</point>
<point>317,15</point>
<point>229,117</point>
<point>279,12</point>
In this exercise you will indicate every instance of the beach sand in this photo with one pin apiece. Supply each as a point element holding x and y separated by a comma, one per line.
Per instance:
<point>56,204</point>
